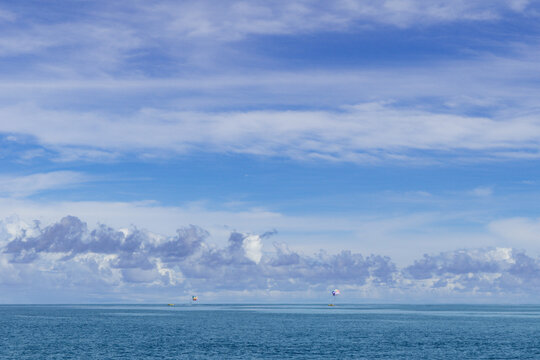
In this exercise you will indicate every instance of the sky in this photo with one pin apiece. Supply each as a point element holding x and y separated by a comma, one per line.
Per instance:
<point>269,151</point>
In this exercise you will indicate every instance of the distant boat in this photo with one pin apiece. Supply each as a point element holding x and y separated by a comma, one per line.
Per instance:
<point>170,304</point>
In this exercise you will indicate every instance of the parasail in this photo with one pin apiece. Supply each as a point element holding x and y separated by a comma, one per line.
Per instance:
<point>194,298</point>
<point>335,292</point>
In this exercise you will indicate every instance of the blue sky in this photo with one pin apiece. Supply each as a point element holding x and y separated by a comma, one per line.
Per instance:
<point>385,128</point>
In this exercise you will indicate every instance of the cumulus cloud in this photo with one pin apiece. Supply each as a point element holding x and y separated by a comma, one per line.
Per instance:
<point>70,255</point>
<point>138,256</point>
<point>488,271</point>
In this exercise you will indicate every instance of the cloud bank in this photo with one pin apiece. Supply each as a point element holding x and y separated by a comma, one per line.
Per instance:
<point>123,262</point>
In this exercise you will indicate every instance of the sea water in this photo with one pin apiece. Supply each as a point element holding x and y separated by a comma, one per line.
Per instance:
<point>269,332</point>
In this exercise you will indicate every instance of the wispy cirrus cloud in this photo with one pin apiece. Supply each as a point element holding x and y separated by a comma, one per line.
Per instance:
<point>25,185</point>
<point>482,191</point>
<point>105,38</point>
<point>481,106</point>
<point>526,230</point>
<point>236,19</point>
<point>365,133</point>
<point>233,20</point>
<point>6,15</point>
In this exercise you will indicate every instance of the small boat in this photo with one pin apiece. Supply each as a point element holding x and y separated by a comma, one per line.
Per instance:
<point>331,305</point>
<point>170,304</point>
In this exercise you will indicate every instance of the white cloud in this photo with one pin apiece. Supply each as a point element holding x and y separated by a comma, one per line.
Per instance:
<point>491,271</point>
<point>67,254</point>
<point>253,248</point>
<point>481,80</point>
<point>520,231</point>
<point>109,35</point>
<point>105,261</point>
<point>399,235</point>
<point>364,133</point>
<point>6,15</point>
<point>25,185</point>
<point>482,191</point>
<point>235,19</point>
<point>368,132</point>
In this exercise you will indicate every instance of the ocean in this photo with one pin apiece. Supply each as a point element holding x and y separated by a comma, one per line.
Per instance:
<point>269,332</point>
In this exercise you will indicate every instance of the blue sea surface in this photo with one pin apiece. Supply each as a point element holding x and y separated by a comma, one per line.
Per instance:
<point>269,332</point>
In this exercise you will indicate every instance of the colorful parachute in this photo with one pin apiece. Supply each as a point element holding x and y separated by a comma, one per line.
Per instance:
<point>335,292</point>
<point>194,298</point>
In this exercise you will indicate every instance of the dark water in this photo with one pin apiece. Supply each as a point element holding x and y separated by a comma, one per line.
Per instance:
<point>270,332</point>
